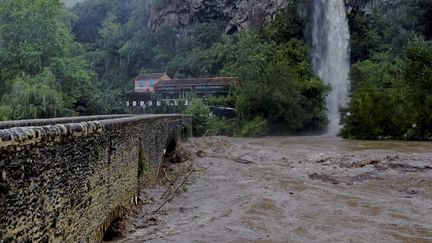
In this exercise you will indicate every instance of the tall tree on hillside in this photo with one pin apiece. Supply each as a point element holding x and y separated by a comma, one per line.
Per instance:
<point>35,38</point>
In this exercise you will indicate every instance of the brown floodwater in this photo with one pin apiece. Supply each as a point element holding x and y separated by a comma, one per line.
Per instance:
<point>296,189</point>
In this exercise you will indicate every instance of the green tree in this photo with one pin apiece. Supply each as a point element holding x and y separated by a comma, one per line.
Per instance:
<point>277,84</point>
<point>418,77</point>
<point>200,117</point>
<point>290,23</point>
<point>378,106</point>
<point>273,63</point>
<point>387,28</point>
<point>38,97</point>
<point>35,39</point>
<point>258,127</point>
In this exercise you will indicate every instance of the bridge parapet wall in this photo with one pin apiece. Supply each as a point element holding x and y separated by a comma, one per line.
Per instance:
<point>67,182</point>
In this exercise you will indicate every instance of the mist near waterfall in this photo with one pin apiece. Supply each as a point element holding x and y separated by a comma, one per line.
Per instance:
<point>330,38</point>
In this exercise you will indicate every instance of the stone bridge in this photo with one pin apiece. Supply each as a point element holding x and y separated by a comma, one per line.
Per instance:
<point>67,179</point>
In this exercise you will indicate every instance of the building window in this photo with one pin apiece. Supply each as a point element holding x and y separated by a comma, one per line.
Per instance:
<point>152,83</point>
<point>142,83</point>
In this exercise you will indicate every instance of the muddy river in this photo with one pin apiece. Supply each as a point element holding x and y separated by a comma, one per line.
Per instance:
<point>295,189</point>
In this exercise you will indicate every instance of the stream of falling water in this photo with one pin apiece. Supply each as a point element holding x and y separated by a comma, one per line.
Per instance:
<point>331,54</point>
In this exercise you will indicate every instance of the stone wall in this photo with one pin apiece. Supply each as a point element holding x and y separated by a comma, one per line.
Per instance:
<point>68,182</point>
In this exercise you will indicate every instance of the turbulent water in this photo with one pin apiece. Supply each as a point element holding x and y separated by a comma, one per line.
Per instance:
<point>295,189</point>
<point>330,52</point>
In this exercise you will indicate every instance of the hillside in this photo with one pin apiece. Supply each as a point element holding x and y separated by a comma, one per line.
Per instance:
<point>71,3</point>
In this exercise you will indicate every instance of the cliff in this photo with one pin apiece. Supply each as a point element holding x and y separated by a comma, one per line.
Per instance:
<point>237,15</point>
<point>367,6</point>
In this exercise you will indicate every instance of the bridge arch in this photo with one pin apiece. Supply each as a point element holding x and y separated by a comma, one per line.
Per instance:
<point>171,146</point>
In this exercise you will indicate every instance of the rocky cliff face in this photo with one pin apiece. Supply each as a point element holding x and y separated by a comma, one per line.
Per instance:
<point>236,14</point>
<point>367,6</point>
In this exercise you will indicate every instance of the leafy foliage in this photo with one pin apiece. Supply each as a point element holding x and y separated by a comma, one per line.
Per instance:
<point>37,97</point>
<point>418,77</point>
<point>40,64</point>
<point>277,85</point>
<point>53,75</point>
<point>222,101</point>
<point>388,27</point>
<point>255,128</point>
<point>377,106</point>
<point>391,79</point>
<point>272,63</point>
<point>221,127</point>
<point>391,97</point>
<point>200,116</point>
<point>290,23</point>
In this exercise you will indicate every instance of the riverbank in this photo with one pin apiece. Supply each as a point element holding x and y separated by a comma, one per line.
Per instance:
<point>296,189</point>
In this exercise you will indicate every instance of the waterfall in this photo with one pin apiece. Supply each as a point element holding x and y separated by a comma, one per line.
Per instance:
<point>331,54</point>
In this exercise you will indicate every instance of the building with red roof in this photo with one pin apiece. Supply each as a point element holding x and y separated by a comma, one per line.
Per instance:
<point>174,89</point>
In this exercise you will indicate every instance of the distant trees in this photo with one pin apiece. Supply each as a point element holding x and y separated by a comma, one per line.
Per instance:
<point>378,103</point>
<point>392,97</point>
<point>391,76</point>
<point>272,63</point>
<point>42,72</point>
<point>389,27</point>
<point>36,97</point>
<point>418,77</point>
<point>277,84</point>
<point>118,42</point>
<point>200,117</point>
<point>54,62</point>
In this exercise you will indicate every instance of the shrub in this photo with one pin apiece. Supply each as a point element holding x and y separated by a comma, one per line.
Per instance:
<point>35,97</point>
<point>4,111</point>
<point>224,101</point>
<point>255,128</point>
<point>200,113</point>
<point>220,127</point>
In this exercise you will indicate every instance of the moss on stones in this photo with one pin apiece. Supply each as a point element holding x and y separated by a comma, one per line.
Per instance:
<point>143,164</point>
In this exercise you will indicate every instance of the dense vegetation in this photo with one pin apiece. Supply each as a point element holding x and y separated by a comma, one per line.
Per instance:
<point>56,62</point>
<point>42,70</point>
<point>272,63</point>
<point>392,73</point>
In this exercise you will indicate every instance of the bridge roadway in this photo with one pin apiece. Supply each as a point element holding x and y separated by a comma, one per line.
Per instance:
<point>67,179</point>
